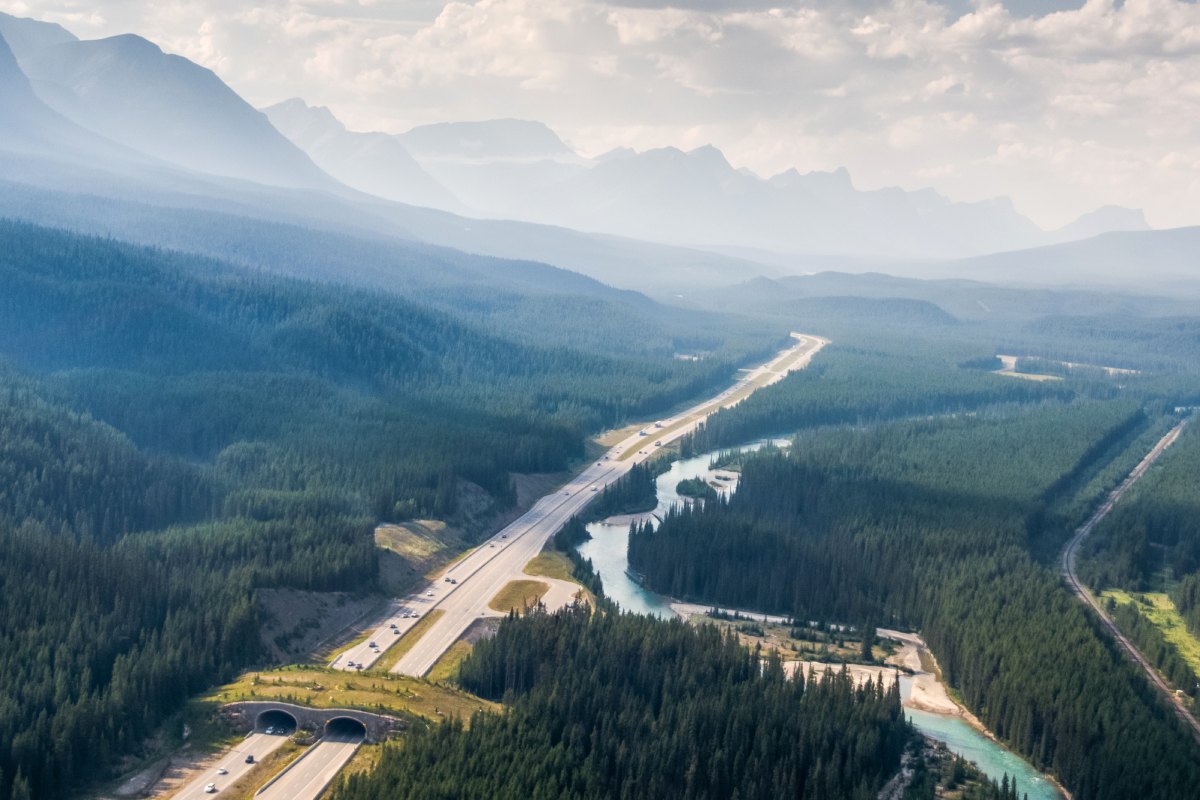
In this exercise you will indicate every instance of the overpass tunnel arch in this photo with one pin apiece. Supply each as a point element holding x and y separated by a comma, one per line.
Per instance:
<point>345,729</point>
<point>282,721</point>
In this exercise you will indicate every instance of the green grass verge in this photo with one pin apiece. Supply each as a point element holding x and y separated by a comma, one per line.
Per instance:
<point>318,687</point>
<point>1158,609</point>
<point>518,595</point>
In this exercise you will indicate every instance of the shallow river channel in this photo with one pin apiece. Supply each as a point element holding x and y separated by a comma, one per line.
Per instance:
<point>608,551</point>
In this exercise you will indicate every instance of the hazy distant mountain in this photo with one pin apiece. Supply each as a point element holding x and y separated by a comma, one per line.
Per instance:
<point>1145,260</point>
<point>30,127</point>
<point>127,90</point>
<point>1105,219</point>
<point>490,140</point>
<point>375,163</point>
<point>522,170</point>
<point>27,36</point>
<point>699,198</point>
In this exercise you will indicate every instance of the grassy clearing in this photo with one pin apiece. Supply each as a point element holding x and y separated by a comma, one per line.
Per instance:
<point>326,688</point>
<point>551,564</point>
<point>518,595</point>
<point>774,637</point>
<point>365,759</point>
<point>397,651</point>
<point>1029,376</point>
<point>446,669</point>
<point>429,545</point>
<point>1161,612</point>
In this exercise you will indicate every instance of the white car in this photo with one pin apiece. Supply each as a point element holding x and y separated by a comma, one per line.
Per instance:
<point>429,593</point>
<point>271,731</point>
<point>222,771</point>
<point>210,789</point>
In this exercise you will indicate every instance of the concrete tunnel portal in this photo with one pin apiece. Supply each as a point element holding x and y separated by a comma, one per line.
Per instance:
<point>345,728</point>
<point>276,718</point>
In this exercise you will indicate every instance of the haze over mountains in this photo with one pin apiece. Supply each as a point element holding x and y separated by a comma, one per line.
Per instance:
<point>120,118</point>
<point>523,170</point>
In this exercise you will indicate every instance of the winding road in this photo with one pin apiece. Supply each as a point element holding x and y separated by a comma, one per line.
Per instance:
<point>1081,591</point>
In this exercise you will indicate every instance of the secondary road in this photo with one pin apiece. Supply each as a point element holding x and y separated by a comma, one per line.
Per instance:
<point>466,588</point>
<point>1081,591</point>
<point>257,744</point>
<point>308,776</point>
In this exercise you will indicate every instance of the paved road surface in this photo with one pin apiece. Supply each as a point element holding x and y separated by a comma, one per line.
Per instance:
<point>487,569</point>
<point>312,772</point>
<point>257,744</point>
<point>1068,570</point>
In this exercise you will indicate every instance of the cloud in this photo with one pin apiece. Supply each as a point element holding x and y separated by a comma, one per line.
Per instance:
<point>1063,105</point>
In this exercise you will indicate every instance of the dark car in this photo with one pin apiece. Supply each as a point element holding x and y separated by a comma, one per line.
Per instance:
<point>250,759</point>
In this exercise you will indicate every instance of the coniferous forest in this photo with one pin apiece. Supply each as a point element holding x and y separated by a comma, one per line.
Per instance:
<point>177,433</point>
<point>618,705</point>
<point>933,523</point>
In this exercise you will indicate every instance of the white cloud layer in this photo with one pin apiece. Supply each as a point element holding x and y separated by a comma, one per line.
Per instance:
<point>1096,103</point>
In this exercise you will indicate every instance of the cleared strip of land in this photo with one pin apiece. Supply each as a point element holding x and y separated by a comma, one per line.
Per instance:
<point>1071,551</point>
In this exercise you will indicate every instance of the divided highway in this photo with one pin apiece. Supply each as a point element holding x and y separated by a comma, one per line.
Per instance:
<point>257,744</point>
<point>468,586</point>
<point>308,776</point>
<point>1081,591</point>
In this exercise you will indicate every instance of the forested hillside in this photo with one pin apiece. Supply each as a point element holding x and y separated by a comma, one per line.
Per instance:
<point>176,434</point>
<point>862,383</point>
<point>1155,530</point>
<point>931,523</point>
<point>613,705</point>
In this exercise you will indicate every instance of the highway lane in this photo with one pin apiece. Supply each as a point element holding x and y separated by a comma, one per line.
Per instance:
<point>257,744</point>
<point>1081,591</point>
<point>308,776</point>
<point>484,571</point>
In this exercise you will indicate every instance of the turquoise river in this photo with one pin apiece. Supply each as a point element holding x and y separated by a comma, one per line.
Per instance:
<point>607,550</point>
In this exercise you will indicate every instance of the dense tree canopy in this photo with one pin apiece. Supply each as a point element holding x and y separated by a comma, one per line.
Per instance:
<point>622,706</point>
<point>932,523</point>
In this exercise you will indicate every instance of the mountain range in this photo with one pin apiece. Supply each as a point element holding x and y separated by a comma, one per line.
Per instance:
<point>515,169</point>
<point>118,119</point>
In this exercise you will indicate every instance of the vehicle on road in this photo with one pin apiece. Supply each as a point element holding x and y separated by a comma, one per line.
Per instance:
<point>250,759</point>
<point>429,593</point>
<point>593,488</point>
<point>393,625</point>
<point>210,789</point>
<point>396,631</point>
<point>222,771</point>
<point>372,644</point>
<point>349,663</point>
<point>504,536</point>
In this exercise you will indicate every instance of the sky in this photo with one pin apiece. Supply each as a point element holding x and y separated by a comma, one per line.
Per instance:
<point>1062,105</point>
